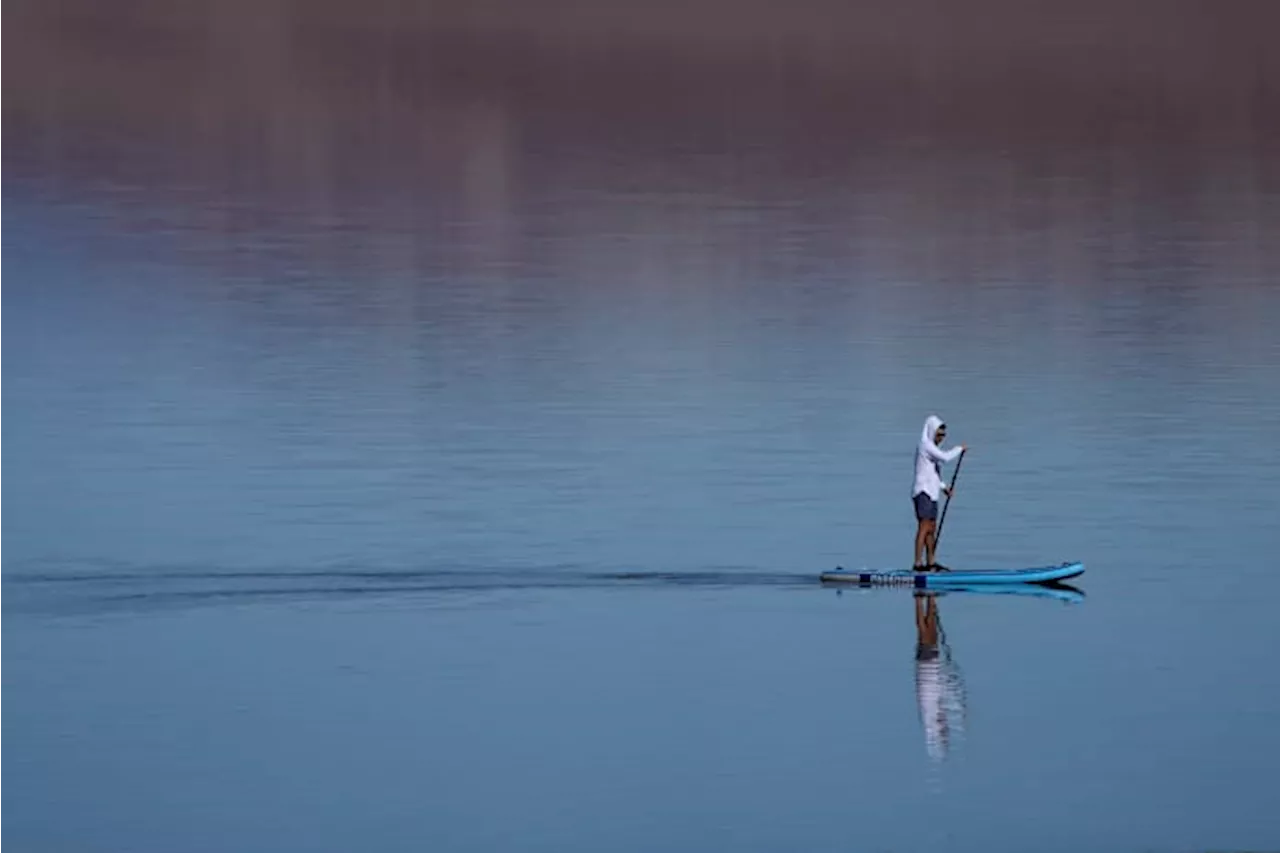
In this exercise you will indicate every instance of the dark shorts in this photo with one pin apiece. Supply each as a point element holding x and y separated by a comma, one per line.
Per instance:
<point>926,507</point>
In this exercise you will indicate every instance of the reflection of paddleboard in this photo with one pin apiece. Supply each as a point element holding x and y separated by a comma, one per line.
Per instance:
<point>952,580</point>
<point>1061,592</point>
<point>1057,591</point>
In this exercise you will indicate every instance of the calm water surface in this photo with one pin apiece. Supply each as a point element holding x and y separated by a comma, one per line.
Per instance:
<point>440,451</point>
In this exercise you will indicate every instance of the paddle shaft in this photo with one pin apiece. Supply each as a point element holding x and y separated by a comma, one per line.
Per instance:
<point>937,536</point>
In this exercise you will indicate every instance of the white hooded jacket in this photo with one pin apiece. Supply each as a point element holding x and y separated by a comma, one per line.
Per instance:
<point>929,459</point>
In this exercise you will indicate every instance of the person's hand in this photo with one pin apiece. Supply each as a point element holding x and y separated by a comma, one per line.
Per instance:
<point>964,448</point>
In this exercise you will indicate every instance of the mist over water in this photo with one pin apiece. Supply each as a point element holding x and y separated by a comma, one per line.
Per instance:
<point>426,424</point>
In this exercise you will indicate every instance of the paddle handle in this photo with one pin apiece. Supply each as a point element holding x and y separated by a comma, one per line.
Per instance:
<point>937,537</point>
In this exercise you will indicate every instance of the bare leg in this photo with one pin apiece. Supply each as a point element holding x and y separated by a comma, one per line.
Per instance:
<point>921,527</point>
<point>930,528</point>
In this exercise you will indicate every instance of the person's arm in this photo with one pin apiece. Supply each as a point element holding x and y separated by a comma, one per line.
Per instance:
<point>937,454</point>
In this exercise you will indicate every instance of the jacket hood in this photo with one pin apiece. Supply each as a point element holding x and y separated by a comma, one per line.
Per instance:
<point>931,425</point>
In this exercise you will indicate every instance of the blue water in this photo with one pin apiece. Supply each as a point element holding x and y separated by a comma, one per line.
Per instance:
<point>474,499</point>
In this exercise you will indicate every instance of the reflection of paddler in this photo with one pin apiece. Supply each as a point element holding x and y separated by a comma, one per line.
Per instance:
<point>939,684</point>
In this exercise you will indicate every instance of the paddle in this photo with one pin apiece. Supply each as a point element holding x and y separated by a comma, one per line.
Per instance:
<point>937,536</point>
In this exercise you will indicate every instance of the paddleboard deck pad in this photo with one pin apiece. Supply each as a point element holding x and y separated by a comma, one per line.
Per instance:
<point>944,580</point>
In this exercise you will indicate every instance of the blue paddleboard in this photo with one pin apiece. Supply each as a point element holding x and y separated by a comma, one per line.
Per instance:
<point>944,580</point>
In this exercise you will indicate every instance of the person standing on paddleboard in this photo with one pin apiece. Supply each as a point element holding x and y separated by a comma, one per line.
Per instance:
<point>928,484</point>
